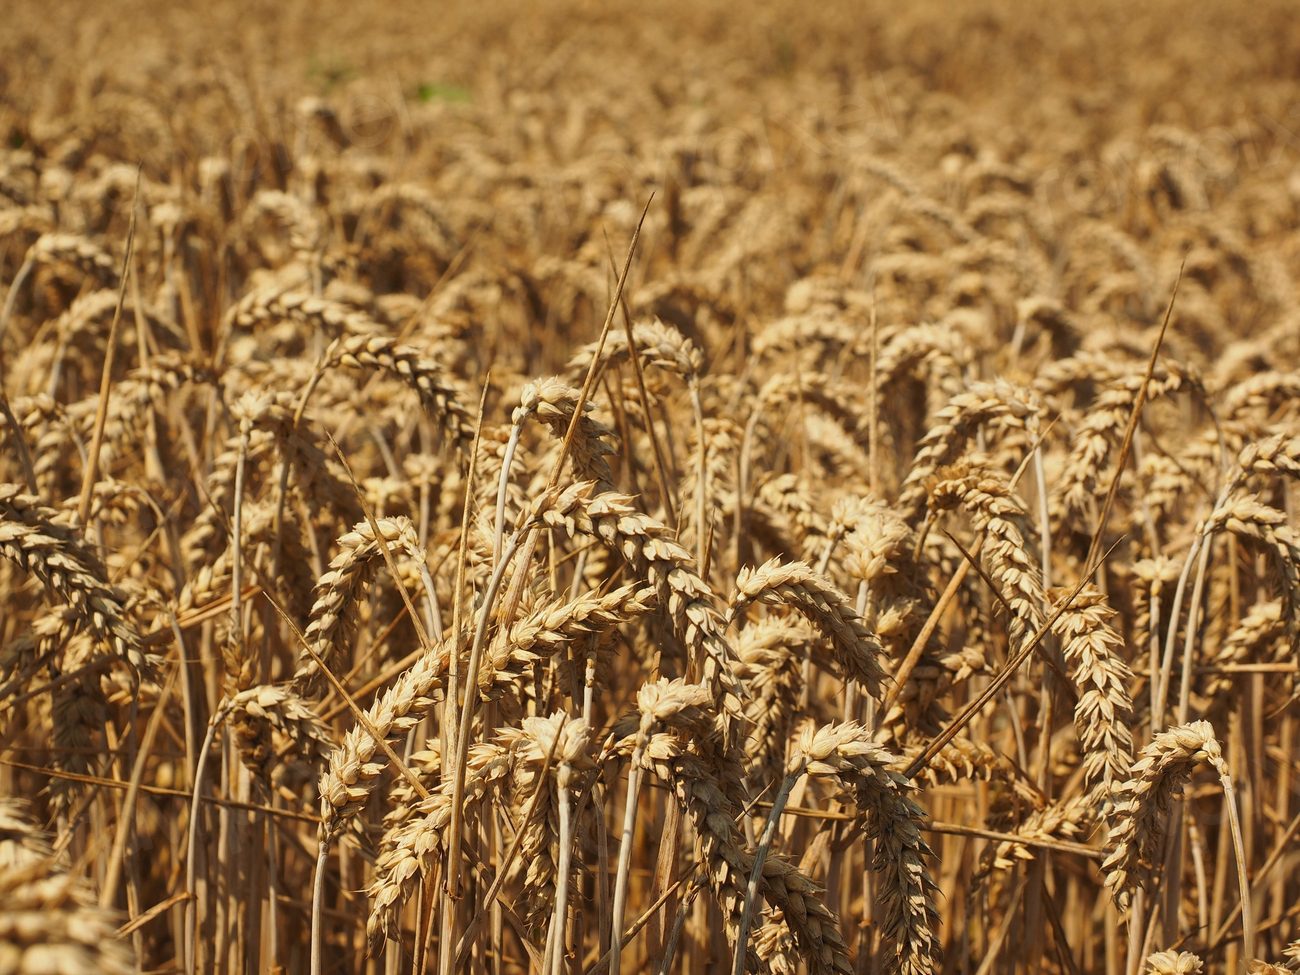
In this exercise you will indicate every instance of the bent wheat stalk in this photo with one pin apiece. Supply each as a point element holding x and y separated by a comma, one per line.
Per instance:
<point>1136,839</point>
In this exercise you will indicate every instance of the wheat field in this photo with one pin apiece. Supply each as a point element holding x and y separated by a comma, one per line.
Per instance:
<point>587,489</point>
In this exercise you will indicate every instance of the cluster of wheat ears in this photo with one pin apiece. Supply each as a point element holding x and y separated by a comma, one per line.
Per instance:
<point>649,490</point>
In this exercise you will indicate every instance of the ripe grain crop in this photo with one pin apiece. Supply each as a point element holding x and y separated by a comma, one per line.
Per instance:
<point>676,488</point>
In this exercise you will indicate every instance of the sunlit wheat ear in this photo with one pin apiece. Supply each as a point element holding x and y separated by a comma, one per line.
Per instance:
<point>438,395</point>
<point>712,478</point>
<point>302,225</point>
<point>20,841</point>
<point>952,430</point>
<point>647,546</point>
<point>81,253</point>
<point>265,307</point>
<point>1150,579</point>
<point>936,355</point>
<point>1102,428</point>
<point>1246,516</point>
<point>1008,555</point>
<point>1064,820</point>
<point>1259,635</point>
<point>1258,967</point>
<point>1173,963</point>
<point>360,553</point>
<point>1258,393</point>
<point>272,725</point>
<point>961,760</point>
<point>671,703</point>
<point>546,852</point>
<point>785,503</point>
<point>1292,955</point>
<point>50,922</point>
<point>916,199</point>
<point>297,443</point>
<point>832,447</point>
<point>1135,846</point>
<point>818,333</point>
<point>552,627</point>
<point>834,397</point>
<point>43,425</point>
<point>214,579</point>
<point>78,327</point>
<point>878,550</point>
<point>728,865</point>
<point>411,843</point>
<point>358,761</point>
<point>404,794</point>
<point>857,649</point>
<point>772,655</point>
<point>1093,656</point>
<point>1274,456</point>
<point>40,541</point>
<point>553,401</point>
<point>706,773</point>
<point>770,416</point>
<point>658,345</point>
<point>355,765</point>
<point>888,815</point>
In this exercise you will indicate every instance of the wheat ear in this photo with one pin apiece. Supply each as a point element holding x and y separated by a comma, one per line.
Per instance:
<point>1136,841</point>
<point>857,648</point>
<point>40,541</point>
